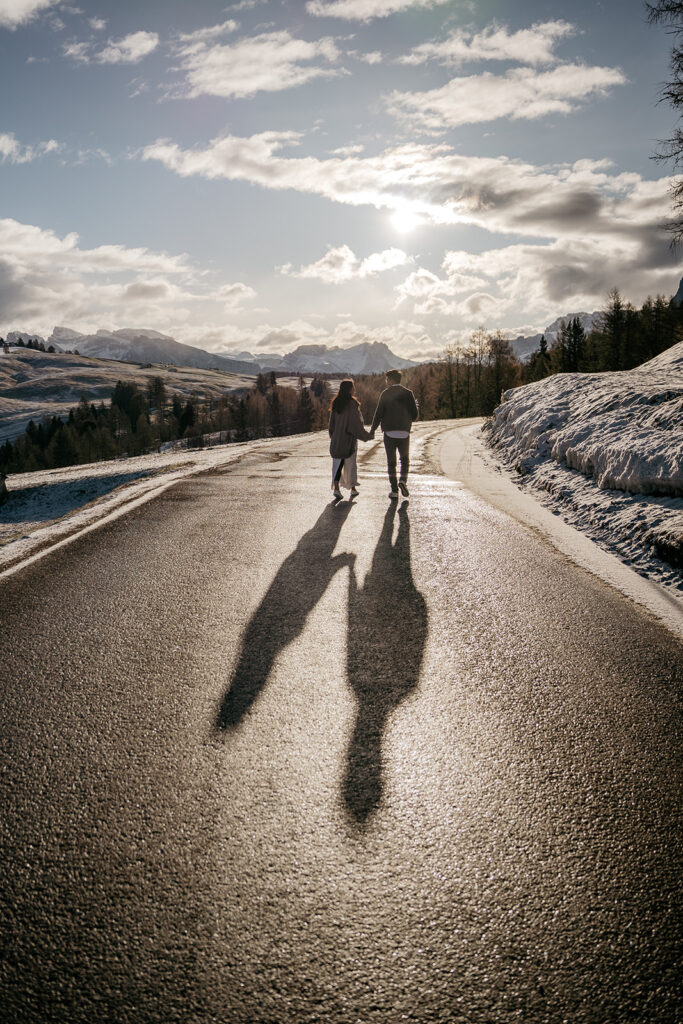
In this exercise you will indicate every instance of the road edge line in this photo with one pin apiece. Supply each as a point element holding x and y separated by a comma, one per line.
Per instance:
<point>461,456</point>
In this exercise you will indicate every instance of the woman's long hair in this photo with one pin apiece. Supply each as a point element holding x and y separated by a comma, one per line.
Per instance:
<point>344,396</point>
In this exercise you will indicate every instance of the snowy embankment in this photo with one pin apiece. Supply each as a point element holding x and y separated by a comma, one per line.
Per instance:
<point>606,449</point>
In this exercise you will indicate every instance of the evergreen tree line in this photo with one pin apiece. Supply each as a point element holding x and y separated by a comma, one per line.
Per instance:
<point>625,338</point>
<point>469,378</point>
<point>137,421</point>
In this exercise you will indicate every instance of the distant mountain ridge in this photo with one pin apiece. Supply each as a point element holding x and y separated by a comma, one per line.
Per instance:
<point>143,346</point>
<point>366,357</point>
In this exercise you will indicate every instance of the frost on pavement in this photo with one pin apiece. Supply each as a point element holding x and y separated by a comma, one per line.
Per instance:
<point>607,451</point>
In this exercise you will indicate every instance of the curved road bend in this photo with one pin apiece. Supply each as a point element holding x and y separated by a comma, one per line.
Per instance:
<point>266,759</point>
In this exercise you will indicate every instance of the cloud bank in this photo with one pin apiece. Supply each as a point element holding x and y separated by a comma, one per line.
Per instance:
<point>46,279</point>
<point>519,94</point>
<point>535,45</point>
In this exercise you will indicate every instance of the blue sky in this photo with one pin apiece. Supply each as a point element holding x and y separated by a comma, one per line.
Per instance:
<point>258,175</point>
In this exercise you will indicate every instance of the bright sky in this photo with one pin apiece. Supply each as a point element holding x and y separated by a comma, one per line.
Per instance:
<point>265,174</point>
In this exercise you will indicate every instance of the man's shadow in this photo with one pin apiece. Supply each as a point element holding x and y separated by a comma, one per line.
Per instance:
<point>387,637</point>
<point>298,585</point>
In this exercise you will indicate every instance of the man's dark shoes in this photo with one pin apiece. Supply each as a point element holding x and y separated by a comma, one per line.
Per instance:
<point>404,489</point>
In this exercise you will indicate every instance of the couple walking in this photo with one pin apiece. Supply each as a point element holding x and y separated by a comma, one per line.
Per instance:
<point>395,412</point>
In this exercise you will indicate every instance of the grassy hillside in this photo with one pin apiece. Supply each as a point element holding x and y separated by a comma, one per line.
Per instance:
<point>35,384</point>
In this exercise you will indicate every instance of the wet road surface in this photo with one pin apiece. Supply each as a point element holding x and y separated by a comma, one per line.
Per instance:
<point>268,759</point>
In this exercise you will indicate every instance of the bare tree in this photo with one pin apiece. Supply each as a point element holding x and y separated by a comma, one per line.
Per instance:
<point>670,13</point>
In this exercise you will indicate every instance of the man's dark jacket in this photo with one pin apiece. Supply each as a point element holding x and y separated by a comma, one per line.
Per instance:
<point>396,409</point>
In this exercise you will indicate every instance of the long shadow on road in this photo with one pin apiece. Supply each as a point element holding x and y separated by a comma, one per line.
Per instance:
<point>387,636</point>
<point>299,584</point>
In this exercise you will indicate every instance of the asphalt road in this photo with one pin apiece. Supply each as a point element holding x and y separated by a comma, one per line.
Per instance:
<point>270,759</point>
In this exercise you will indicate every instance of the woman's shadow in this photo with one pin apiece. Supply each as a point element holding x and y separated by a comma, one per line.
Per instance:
<point>387,637</point>
<point>298,585</point>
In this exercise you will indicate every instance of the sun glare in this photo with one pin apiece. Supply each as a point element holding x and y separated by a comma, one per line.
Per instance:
<point>404,220</point>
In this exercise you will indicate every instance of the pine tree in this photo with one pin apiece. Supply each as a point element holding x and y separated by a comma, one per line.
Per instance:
<point>305,410</point>
<point>187,418</point>
<point>613,329</point>
<point>157,398</point>
<point>559,352</point>
<point>576,343</point>
<point>275,412</point>
<point>143,434</point>
<point>540,361</point>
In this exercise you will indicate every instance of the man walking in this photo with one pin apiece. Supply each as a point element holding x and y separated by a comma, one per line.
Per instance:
<point>395,412</point>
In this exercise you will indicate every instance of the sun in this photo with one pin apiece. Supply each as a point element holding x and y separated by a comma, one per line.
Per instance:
<point>404,220</point>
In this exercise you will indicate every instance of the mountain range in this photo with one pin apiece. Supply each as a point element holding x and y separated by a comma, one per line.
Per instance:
<point>138,345</point>
<point>143,346</point>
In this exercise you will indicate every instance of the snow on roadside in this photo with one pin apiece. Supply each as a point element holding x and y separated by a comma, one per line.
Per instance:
<point>46,506</point>
<point>606,452</point>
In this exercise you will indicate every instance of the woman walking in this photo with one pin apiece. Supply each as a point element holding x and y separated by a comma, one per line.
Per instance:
<point>346,426</point>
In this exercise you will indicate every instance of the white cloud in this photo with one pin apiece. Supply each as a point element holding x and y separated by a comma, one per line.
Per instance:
<point>535,45</point>
<point>13,152</point>
<point>364,10</point>
<point>203,35</point>
<point>374,57</point>
<point>235,294</point>
<point>245,5</point>
<point>79,52</point>
<point>341,264</point>
<point>129,50</point>
<point>97,24</point>
<point>347,150</point>
<point>521,93</point>
<point>268,62</point>
<point>18,12</point>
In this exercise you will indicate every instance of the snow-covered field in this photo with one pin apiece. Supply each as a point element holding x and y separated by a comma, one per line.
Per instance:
<point>605,451</point>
